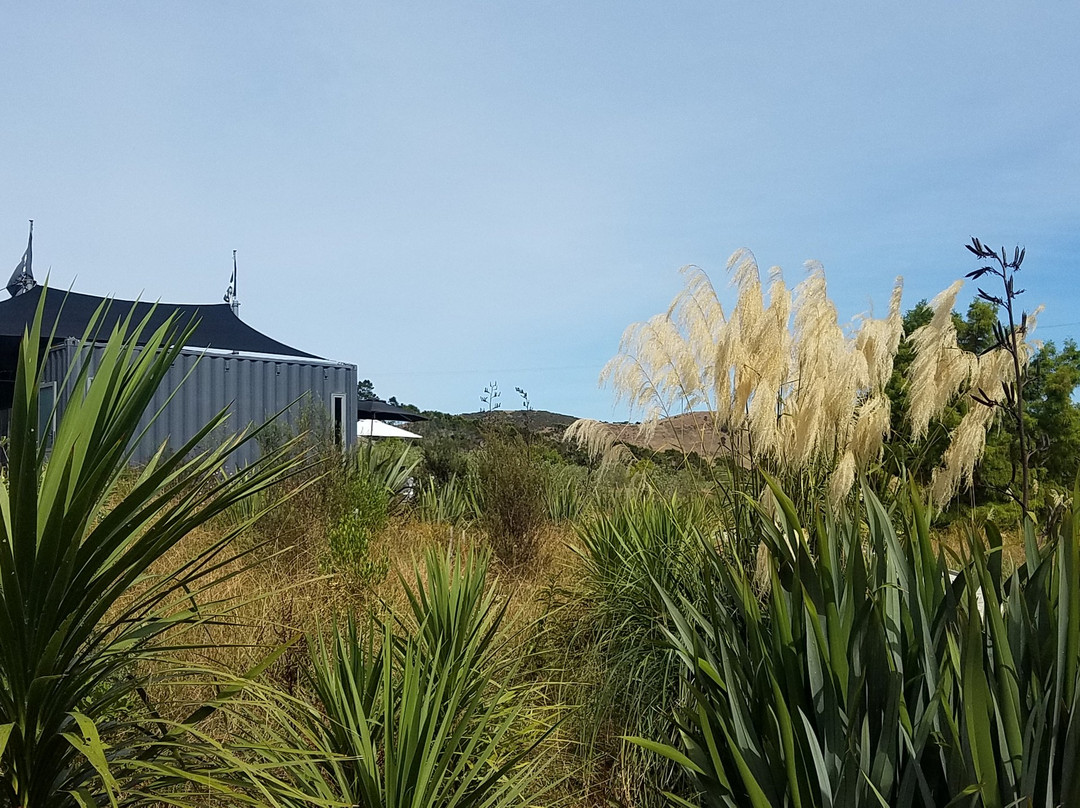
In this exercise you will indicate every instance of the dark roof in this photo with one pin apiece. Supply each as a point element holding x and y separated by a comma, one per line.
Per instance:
<point>379,410</point>
<point>217,326</point>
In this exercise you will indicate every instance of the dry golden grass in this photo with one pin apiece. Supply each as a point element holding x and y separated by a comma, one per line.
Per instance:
<point>287,594</point>
<point>284,595</point>
<point>278,593</point>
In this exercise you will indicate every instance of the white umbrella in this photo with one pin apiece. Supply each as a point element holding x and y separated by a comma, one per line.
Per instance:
<point>370,428</point>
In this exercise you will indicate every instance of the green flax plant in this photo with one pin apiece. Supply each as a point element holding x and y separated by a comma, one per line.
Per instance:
<point>566,492</point>
<point>870,674</point>
<point>644,545</point>
<point>416,712</point>
<point>84,619</point>
<point>452,502</point>
<point>389,465</point>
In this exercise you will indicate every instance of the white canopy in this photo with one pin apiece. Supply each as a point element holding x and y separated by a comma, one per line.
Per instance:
<point>371,428</point>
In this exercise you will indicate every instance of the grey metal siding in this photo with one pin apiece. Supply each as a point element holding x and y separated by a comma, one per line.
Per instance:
<point>57,362</point>
<point>253,389</point>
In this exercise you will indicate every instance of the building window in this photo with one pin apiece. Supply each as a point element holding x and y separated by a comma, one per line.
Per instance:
<point>47,413</point>
<point>338,410</point>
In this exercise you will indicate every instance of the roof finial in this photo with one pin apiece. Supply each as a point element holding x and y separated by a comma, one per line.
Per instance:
<point>230,293</point>
<point>22,279</point>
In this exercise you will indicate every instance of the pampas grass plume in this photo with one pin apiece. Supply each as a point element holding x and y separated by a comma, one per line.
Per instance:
<point>806,391</point>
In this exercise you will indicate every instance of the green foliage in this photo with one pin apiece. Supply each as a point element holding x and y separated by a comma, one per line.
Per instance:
<point>510,491</point>
<point>645,545</point>
<point>869,675</point>
<point>461,431</point>
<point>247,511</point>
<point>444,459</point>
<point>352,539</point>
<point>455,615</point>
<point>82,619</point>
<point>314,499</point>
<point>361,493</point>
<point>1052,422</point>
<point>1055,417</point>
<point>410,407</point>
<point>417,712</point>
<point>975,331</point>
<point>566,492</point>
<point>390,465</point>
<point>646,541</point>
<point>307,429</point>
<point>341,502</point>
<point>1052,417</point>
<point>450,503</point>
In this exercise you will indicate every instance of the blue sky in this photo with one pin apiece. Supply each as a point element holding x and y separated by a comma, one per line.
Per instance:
<point>448,194</point>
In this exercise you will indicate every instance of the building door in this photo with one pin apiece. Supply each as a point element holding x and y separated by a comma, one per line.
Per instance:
<point>339,420</point>
<point>47,413</point>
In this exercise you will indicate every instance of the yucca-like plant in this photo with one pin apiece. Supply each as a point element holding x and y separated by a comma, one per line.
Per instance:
<point>645,542</point>
<point>644,545</point>
<point>565,493</point>
<point>388,467</point>
<point>871,675</point>
<point>455,614</point>
<point>83,621</point>
<point>415,713</point>
<point>452,502</point>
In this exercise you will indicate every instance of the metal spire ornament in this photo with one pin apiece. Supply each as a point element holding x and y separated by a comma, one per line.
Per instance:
<point>22,279</point>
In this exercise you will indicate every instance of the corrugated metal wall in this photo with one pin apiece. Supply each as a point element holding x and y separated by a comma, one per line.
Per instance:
<point>253,388</point>
<point>57,362</point>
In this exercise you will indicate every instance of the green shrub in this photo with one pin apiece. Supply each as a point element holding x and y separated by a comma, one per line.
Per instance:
<point>314,499</point>
<point>444,459</point>
<point>510,488</point>
<point>352,539</point>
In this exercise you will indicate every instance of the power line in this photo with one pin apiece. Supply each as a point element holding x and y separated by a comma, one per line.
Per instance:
<point>485,371</point>
<point>477,370</point>
<point>1041,327</point>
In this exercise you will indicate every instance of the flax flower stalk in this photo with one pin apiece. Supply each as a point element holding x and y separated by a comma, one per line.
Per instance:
<point>943,372</point>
